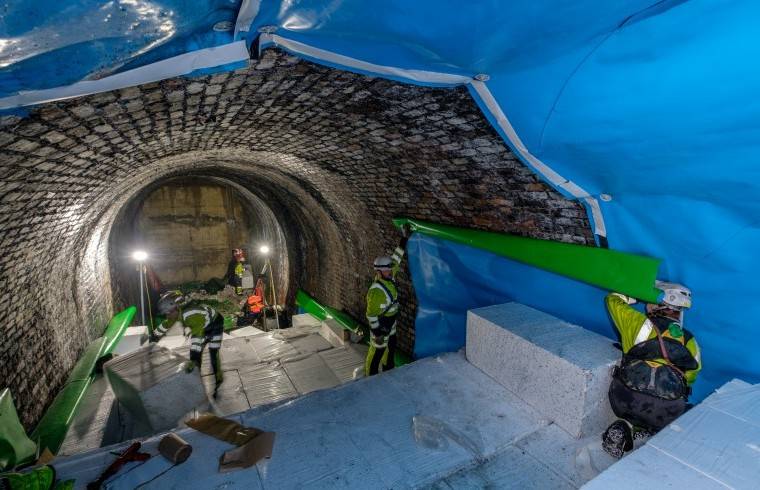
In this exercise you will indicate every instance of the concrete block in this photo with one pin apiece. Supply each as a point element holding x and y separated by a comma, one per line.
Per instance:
<point>334,333</point>
<point>152,384</point>
<point>133,339</point>
<point>174,342</point>
<point>562,370</point>
<point>304,320</point>
<point>308,344</point>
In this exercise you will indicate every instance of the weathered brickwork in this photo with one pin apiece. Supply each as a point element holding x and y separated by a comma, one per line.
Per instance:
<point>333,154</point>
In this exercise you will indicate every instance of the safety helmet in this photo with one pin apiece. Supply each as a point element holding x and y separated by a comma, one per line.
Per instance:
<point>170,301</point>
<point>675,296</point>
<point>253,299</point>
<point>383,263</point>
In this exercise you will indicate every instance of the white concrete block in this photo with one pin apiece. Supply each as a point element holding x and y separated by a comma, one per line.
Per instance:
<point>152,384</point>
<point>333,332</point>
<point>562,370</point>
<point>304,320</point>
<point>133,339</point>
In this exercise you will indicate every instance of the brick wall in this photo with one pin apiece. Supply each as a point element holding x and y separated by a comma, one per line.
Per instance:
<point>333,155</point>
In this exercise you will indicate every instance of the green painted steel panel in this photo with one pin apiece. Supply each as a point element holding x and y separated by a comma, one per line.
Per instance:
<point>630,274</point>
<point>322,312</point>
<point>116,328</point>
<point>51,430</point>
<point>15,447</point>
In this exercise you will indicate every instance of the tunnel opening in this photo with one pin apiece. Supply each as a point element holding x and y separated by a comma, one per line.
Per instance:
<point>188,225</point>
<point>333,155</point>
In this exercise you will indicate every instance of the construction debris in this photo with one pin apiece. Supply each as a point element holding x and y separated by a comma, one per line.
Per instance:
<point>132,453</point>
<point>253,444</point>
<point>174,448</point>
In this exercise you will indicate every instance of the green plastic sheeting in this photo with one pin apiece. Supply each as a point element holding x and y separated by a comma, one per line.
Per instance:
<point>14,445</point>
<point>116,328</point>
<point>633,275</point>
<point>322,312</point>
<point>51,430</point>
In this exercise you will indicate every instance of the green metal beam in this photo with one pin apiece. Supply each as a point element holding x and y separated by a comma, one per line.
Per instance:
<point>323,312</point>
<point>633,275</point>
<point>52,428</point>
<point>14,445</point>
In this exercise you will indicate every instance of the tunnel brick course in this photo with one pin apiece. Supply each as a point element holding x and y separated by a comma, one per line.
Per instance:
<point>335,155</point>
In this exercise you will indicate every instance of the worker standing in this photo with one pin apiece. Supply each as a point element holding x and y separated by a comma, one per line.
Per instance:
<point>235,270</point>
<point>206,326</point>
<point>660,362</point>
<point>382,310</point>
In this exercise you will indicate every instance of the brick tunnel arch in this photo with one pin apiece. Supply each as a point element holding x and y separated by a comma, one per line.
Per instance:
<point>305,222</point>
<point>340,153</point>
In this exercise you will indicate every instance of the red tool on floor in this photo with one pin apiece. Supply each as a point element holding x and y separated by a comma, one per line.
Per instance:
<point>130,454</point>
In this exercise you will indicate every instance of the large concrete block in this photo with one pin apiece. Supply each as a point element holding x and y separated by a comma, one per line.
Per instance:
<point>304,320</point>
<point>152,384</point>
<point>133,339</point>
<point>562,370</point>
<point>334,333</point>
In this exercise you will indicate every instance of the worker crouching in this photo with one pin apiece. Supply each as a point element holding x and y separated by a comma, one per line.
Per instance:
<point>382,310</point>
<point>205,324</point>
<point>253,307</point>
<point>660,362</point>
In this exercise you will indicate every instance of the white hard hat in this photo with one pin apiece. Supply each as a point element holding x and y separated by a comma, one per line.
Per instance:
<point>383,263</point>
<point>675,295</point>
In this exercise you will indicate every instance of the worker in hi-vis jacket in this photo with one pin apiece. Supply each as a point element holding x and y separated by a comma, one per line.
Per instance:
<point>660,362</point>
<point>206,326</point>
<point>382,310</point>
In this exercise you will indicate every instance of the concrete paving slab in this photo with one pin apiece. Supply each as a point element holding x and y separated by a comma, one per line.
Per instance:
<point>562,370</point>
<point>346,363</point>
<point>154,386</point>
<point>311,343</point>
<point>92,424</point>
<point>512,468</point>
<point>310,374</point>
<point>649,468</point>
<point>576,460</point>
<point>267,383</point>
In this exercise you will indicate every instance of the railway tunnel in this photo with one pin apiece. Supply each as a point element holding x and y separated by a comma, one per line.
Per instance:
<point>329,156</point>
<point>562,179</point>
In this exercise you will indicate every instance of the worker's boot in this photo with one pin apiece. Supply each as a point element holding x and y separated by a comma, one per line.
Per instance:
<point>617,439</point>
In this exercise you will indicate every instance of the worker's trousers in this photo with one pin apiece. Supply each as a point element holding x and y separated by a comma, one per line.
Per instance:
<point>213,337</point>
<point>377,355</point>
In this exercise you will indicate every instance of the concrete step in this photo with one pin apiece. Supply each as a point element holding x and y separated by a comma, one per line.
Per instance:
<point>562,370</point>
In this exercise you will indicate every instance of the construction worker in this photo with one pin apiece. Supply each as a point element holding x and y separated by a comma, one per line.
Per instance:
<point>206,326</point>
<point>253,307</point>
<point>382,310</point>
<point>661,360</point>
<point>235,270</point>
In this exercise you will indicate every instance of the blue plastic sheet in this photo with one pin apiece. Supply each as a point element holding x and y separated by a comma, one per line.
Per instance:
<point>54,43</point>
<point>450,279</point>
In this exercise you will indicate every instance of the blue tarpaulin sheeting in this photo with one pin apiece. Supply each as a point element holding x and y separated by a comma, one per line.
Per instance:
<point>650,103</point>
